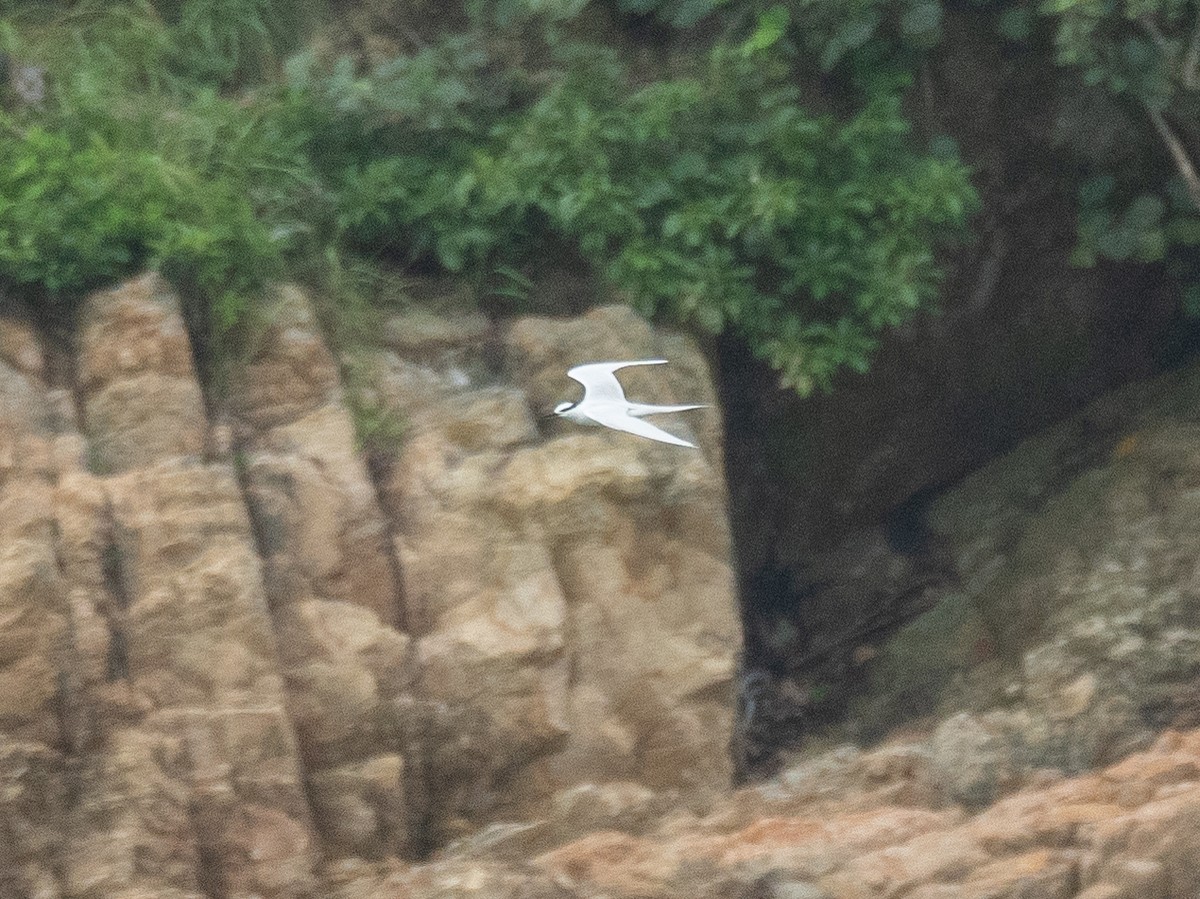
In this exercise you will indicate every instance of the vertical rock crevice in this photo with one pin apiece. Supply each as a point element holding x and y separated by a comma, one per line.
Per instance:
<point>192,783</point>
<point>331,582</point>
<point>38,711</point>
<point>574,590</point>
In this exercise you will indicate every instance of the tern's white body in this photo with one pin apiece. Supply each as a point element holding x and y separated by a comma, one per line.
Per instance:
<point>604,403</point>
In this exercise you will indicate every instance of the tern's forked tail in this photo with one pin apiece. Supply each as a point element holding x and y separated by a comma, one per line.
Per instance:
<point>639,409</point>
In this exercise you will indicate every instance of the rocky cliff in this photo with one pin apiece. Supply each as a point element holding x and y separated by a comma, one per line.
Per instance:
<point>237,660</point>
<point>232,653</point>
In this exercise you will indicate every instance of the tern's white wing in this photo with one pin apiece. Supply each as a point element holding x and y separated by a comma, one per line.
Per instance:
<point>599,382</point>
<point>613,416</point>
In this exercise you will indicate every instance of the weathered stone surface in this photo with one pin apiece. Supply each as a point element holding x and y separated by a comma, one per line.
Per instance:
<point>573,596</point>
<point>35,629</point>
<point>194,721</point>
<point>34,610</point>
<point>1072,631</point>
<point>188,772</point>
<point>291,373</point>
<point>131,828</point>
<point>540,350</point>
<point>183,718</point>
<point>33,802</point>
<point>452,880</point>
<point>140,396</point>
<point>642,552</point>
<point>148,650</point>
<point>331,581</point>
<point>19,346</point>
<point>310,495</point>
<point>1124,832</point>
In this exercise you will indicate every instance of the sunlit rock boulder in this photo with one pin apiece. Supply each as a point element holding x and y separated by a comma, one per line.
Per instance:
<point>139,394</point>
<point>571,589</point>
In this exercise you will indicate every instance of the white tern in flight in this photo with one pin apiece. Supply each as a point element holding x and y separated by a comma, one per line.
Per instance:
<point>604,403</point>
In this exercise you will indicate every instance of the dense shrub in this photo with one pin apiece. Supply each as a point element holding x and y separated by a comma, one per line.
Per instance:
<point>73,216</point>
<point>1145,54</point>
<point>710,197</point>
<point>129,164</point>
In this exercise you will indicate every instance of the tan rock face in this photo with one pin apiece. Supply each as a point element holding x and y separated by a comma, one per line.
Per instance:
<point>35,631</point>
<point>1111,834</point>
<point>212,648</point>
<point>331,581</point>
<point>204,693</point>
<point>573,595</point>
<point>854,825</point>
<point>311,498</point>
<point>188,766</point>
<point>642,552</point>
<point>141,400</point>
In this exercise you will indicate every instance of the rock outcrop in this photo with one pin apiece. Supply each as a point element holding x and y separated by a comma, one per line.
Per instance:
<point>331,582</point>
<point>187,778</point>
<point>1022,338</point>
<point>849,824</point>
<point>236,660</point>
<point>572,595</point>
<point>233,653</point>
<point>1072,632</point>
<point>1044,610</point>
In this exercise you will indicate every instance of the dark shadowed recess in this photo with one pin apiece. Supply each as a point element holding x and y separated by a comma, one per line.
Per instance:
<point>828,493</point>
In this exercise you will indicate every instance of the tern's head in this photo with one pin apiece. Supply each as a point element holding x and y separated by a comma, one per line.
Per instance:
<point>563,407</point>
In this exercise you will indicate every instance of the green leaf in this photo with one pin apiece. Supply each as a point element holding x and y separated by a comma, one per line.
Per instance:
<point>1191,301</point>
<point>921,18</point>
<point>771,26</point>
<point>858,32</point>
<point>1152,246</point>
<point>689,12</point>
<point>1096,191</point>
<point>1184,230</point>
<point>1145,212</point>
<point>1118,244</point>
<point>1015,24</point>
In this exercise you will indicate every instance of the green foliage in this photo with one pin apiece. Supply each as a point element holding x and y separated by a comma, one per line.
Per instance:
<point>233,41</point>
<point>678,13</point>
<point>59,226</point>
<point>74,215</point>
<point>769,29</point>
<point>1137,231</point>
<point>512,286</point>
<point>222,43</point>
<point>711,198</point>
<point>718,201</point>
<point>508,13</point>
<point>1134,47</point>
<point>835,32</point>
<point>350,305</point>
<point>1145,54</point>
<point>379,430</point>
<point>131,165</point>
<point>392,146</point>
